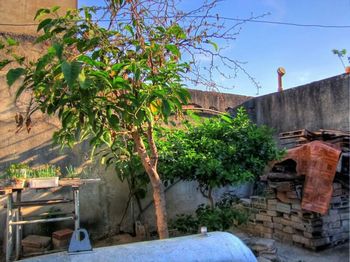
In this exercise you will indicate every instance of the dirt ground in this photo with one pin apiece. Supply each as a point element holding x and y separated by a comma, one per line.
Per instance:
<point>288,253</point>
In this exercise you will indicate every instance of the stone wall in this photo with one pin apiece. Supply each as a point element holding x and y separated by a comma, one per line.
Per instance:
<point>318,105</point>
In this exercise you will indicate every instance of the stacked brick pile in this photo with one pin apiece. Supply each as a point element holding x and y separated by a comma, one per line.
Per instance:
<point>278,215</point>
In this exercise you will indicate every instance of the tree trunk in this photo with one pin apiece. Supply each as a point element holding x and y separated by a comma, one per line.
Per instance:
<point>211,199</point>
<point>157,186</point>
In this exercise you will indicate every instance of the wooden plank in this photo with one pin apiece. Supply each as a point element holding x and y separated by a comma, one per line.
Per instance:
<point>283,176</point>
<point>296,133</point>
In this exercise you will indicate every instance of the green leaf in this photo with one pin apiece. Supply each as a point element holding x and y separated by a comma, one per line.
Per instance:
<point>82,79</point>
<point>41,12</point>
<point>129,29</point>
<point>173,49</point>
<point>213,44</point>
<point>71,72</point>
<point>14,74</point>
<point>117,67</point>
<point>54,8</point>
<point>184,95</point>
<point>226,118</point>
<point>114,122</point>
<point>20,90</point>
<point>19,59</point>
<point>42,38</point>
<point>58,49</point>
<point>11,42</point>
<point>44,24</point>
<point>88,60</point>
<point>4,63</point>
<point>166,108</point>
<point>1,45</point>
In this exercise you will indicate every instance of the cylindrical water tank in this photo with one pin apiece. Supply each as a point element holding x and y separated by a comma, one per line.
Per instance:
<point>214,246</point>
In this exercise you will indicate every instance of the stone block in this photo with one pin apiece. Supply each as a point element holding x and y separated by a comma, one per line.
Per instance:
<point>36,241</point>
<point>296,206</point>
<point>277,226</point>
<point>258,202</point>
<point>267,235</point>
<point>284,208</point>
<point>336,224</point>
<point>268,224</point>
<point>292,194</point>
<point>271,207</point>
<point>286,216</point>
<point>286,222</point>
<point>29,250</point>
<point>331,218</point>
<point>319,242</point>
<point>263,229</point>
<point>288,229</point>
<point>261,217</point>
<point>345,225</point>
<point>298,225</point>
<point>344,216</point>
<point>281,196</point>
<point>62,234</point>
<point>272,202</point>
<point>301,240</point>
<point>271,213</point>
<point>61,238</point>
<point>295,218</point>
<point>60,243</point>
<point>282,236</point>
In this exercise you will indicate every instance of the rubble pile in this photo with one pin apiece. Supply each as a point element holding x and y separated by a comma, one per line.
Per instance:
<point>283,211</point>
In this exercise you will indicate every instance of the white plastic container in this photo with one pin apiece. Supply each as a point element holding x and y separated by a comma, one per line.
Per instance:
<point>43,182</point>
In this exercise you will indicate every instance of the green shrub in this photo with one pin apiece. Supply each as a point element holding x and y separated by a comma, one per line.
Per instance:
<point>226,213</point>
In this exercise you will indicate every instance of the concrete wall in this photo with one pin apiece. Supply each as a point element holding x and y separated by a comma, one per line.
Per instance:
<point>23,12</point>
<point>322,104</point>
<point>215,100</point>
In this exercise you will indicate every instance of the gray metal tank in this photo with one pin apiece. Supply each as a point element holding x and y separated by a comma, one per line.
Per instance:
<point>214,246</point>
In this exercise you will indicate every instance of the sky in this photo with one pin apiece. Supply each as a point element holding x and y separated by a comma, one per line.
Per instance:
<point>304,52</point>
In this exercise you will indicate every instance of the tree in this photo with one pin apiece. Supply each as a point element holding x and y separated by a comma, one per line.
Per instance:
<point>108,85</point>
<point>218,152</point>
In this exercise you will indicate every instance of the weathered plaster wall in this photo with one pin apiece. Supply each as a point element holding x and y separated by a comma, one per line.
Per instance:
<point>322,104</point>
<point>23,12</point>
<point>215,100</point>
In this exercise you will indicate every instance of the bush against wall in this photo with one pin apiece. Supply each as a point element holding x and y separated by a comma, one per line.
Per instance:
<point>218,152</point>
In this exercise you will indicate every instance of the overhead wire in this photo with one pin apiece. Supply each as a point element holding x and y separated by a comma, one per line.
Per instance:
<point>218,18</point>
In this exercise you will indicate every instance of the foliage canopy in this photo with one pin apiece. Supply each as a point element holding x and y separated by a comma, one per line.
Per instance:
<point>219,152</point>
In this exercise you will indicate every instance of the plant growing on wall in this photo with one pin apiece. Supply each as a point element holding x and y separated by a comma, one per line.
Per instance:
<point>219,152</point>
<point>341,55</point>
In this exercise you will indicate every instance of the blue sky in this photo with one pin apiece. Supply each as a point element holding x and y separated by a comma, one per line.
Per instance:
<point>305,52</point>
